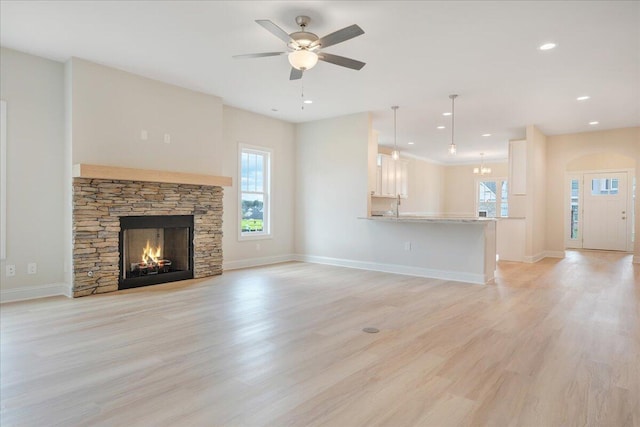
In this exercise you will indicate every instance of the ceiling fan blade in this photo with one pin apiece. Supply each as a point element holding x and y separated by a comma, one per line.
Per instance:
<point>275,30</point>
<point>295,74</point>
<point>258,55</point>
<point>338,36</point>
<point>341,60</point>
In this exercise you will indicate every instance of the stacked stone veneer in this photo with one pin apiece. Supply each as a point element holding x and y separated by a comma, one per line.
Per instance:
<point>98,205</point>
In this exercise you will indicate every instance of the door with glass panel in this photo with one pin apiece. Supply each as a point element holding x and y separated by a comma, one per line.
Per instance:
<point>605,211</point>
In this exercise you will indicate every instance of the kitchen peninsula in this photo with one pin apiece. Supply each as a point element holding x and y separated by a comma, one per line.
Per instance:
<point>461,249</point>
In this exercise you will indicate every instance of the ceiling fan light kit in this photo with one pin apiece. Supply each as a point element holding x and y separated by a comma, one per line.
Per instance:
<point>305,46</point>
<point>303,59</point>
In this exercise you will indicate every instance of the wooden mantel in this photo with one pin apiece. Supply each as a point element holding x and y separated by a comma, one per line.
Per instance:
<point>148,175</point>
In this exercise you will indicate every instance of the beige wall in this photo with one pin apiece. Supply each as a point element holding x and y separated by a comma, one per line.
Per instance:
<point>110,108</point>
<point>278,136</point>
<point>569,150</point>
<point>535,239</point>
<point>460,187</point>
<point>426,181</point>
<point>601,161</point>
<point>33,90</point>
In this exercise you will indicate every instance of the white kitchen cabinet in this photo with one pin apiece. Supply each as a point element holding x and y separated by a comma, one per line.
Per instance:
<point>391,177</point>
<point>402,178</point>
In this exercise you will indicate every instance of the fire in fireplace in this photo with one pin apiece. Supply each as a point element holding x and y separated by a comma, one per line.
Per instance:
<point>151,262</point>
<point>155,249</point>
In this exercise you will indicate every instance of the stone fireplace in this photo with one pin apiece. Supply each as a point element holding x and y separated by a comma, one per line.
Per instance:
<point>100,206</point>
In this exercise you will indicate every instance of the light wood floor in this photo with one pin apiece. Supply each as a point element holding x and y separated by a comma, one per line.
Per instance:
<point>555,343</point>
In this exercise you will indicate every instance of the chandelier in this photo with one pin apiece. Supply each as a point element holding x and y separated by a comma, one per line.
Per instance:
<point>482,170</point>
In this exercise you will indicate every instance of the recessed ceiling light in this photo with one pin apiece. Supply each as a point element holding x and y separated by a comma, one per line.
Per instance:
<point>594,123</point>
<point>440,127</point>
<point>410,143</point>
<point>582,98</point>
<point>547,46</point>
<point>486,134</point>
<point>446,114</point>
<point>308,101</point>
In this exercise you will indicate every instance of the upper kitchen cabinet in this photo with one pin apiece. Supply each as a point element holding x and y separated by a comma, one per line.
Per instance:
<point>391,177</point>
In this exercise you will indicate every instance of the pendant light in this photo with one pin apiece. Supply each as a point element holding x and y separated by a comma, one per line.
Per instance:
<point>452,148</point>
<point>395,154</point>
<point>482,170</point>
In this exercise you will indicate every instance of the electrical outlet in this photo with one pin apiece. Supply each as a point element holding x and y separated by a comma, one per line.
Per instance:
<point>167,138</point>
<point>257,246</point>
<point>10,270</point>
<point>407,246</point>
<point>144,135</point>
<point>32,268</point>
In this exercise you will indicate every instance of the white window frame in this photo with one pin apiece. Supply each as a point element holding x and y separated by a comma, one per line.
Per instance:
<point>267,232</point>
<point>498,195</point>
<point>568,241</point>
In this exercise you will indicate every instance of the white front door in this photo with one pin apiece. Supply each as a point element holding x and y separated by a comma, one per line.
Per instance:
<point>605,211</point>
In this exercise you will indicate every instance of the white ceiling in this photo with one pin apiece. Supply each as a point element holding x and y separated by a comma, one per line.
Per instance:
<point>417,53</point>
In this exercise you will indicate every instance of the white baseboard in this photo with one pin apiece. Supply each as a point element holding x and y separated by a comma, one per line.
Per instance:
<point>399,269</point>
<point>545,254</point>
<point>533,259</point>
<point>554,254</point>
<point>255,262</point>
<point>33,292</point>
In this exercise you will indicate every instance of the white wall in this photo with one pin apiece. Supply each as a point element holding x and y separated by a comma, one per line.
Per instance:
<point>332,177</point>
<point>331,193</point>
<point>110,108</point>
<point>564,150</point>
<point>249,128</point>
<point>84,112</point>
<point>33,90</point>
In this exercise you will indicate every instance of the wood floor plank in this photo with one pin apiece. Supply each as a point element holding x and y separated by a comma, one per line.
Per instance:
<point>556,343</point>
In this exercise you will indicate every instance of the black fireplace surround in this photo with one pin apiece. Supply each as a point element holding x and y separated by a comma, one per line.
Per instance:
<point>155,249</point>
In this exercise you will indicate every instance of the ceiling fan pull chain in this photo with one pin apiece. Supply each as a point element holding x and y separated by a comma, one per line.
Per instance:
<point>301,94</point>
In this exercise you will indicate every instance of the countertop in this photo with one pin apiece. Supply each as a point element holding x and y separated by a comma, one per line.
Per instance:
<point>415,218</point>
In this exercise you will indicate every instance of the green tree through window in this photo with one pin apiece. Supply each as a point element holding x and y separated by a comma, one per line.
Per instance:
<point>254,191</point>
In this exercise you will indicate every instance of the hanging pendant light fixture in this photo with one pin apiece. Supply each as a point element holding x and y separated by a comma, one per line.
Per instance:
<point>482,170</point>
<point>395,154</point>
<point>452,147</point>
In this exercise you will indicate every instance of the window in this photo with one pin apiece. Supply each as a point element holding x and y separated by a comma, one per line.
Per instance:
<point>575,209</point>
<point>604,186</point>
<point>255,171</point>
<point>492,199</point>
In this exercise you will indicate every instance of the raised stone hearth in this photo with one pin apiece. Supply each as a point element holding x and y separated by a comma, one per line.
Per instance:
<point>98,205</point>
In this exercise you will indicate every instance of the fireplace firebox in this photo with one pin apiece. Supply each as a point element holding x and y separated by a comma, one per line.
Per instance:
<point>155,249</point>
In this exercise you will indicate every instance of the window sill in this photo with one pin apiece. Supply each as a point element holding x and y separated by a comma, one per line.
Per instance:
<point>255,237</point>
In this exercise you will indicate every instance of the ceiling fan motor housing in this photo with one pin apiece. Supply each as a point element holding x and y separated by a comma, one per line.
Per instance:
<point>302,40</point>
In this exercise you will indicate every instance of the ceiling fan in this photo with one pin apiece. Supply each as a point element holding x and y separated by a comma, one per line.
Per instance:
<point>305,47</point>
